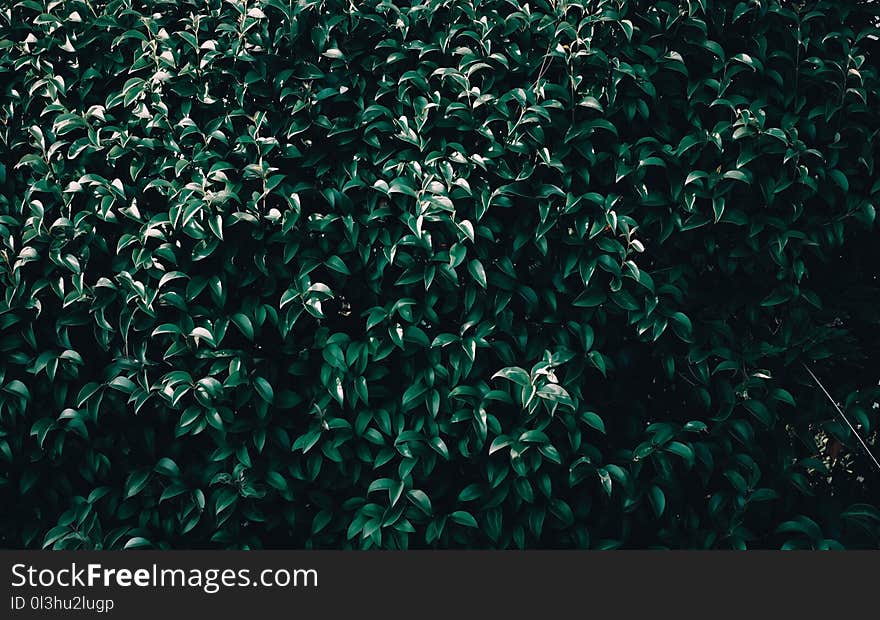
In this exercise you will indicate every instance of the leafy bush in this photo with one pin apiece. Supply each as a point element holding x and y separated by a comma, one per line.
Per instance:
<point>457,273</point>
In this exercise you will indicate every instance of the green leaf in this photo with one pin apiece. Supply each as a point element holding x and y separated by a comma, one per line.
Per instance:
<point>592,103</point>
<point>167,467</point>
<point>534,436</point>
<point>321,520</point>
<point>201,333</point>
<point>420,500</point>
<point>775,298</point>
<point>136,482</point>
<point>862,511</point>
<point>593,420</point>
<point>122,384</point>
<point>264,389</point>
<point>658,500</point>
<point>87,391</point>
<point>736,175</point>
<point>334,53</point>
<point>470,492</point>
<point>682,326</point>
<point>137,542</point>
<point>515,374</point>
<point>18,388</point>
<point>556,394</point>
<point>682,450</point>
<point>840,179</point>
<point>696,426</point>
<point>167,328</point>
<point>801,525</point>
<point>306,441</point>
<point>244,325</point>
<point>476,269</point>
<point>382,484</point>
<point>276,481</point>
<point>465,518</point>
<point>760,411</point>
<point>598,360</point>
<point>763,495</point>
<point>499,443</point>
<point>550,453</point>
<point>590,298</point>
<point>605,479</point>
<point>783,395</point>
<point>336,264</point>
<point>439,446</point>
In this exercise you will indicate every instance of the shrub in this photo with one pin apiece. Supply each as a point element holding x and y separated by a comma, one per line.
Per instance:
<point>453,274</point>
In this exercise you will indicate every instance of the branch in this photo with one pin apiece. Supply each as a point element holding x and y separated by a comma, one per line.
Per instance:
<point>840,411</point>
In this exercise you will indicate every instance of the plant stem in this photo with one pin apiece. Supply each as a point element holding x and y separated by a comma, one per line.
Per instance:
<point>840,411</point>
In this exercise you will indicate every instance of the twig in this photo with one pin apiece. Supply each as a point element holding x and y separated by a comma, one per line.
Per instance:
<point>848,423</point>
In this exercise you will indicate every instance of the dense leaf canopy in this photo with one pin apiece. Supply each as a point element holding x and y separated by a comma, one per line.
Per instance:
<point>457,273</point>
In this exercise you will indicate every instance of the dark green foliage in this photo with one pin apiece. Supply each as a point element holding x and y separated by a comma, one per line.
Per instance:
<point>454,274</point>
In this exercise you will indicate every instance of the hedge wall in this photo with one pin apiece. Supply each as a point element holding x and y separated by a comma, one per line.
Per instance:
<point>457,273</point>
